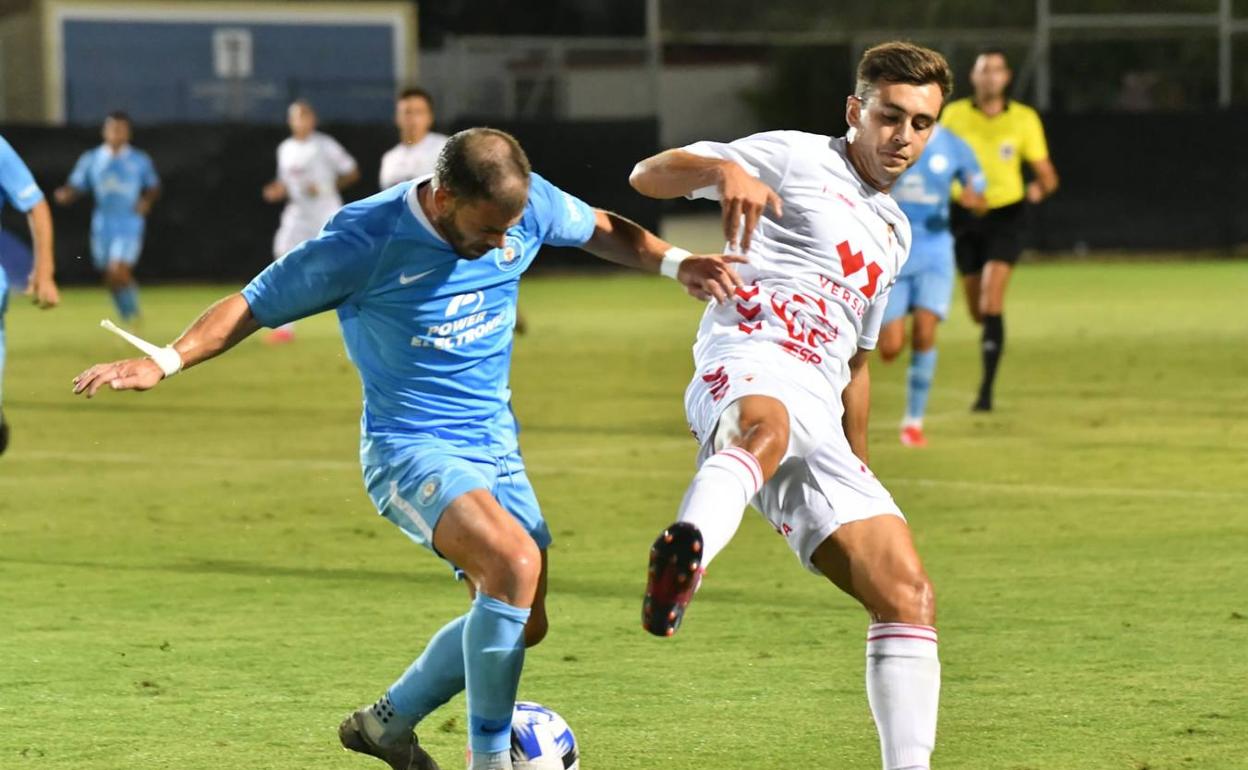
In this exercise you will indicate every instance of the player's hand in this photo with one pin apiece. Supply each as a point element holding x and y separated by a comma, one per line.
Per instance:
<point>64,195</point>
<point>311,191</point>
<point>274,192</point>
<point>143,207</point>
<point>43,291</point>
<point>131,374</point>
<point>710,276</point>
<point>742,195</point>
<point>1035,192</point>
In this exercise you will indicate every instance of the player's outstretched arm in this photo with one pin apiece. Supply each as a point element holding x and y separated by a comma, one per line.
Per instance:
<point>673,173</point>
<point>220,327</point>
<point>624,242</point>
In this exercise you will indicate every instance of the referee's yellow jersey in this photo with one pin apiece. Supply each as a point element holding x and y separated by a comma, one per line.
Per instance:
<point>1001,143</point>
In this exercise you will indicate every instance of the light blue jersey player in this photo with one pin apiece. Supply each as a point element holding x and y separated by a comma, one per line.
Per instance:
<point>19,190</point>
<point>925,286</point>
<point>124,184</point>
<point>424,279</point>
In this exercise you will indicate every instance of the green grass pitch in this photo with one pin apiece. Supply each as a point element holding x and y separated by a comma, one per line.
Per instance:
<point>194,577</point>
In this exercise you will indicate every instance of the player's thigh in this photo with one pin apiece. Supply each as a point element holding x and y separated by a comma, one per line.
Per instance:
<point>875,561</point>
<point>475,533</point>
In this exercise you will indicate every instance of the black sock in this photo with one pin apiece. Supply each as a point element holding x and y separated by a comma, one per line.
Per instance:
<point>991,346</point>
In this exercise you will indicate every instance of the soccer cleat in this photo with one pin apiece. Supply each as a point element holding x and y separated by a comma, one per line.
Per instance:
<point>675,574</point>
<point>280,337</point>
<point>983,403</point>
<point>402,755</point>
<point>912,436</point>
<point>4,434</point>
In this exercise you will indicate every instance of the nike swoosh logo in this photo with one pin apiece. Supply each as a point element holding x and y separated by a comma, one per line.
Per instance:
<point>406,279</point>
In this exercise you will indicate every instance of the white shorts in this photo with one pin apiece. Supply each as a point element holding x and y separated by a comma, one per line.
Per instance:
<point>299,225</point>
<point>820,484</point>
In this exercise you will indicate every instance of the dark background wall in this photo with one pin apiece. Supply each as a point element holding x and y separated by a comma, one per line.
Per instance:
<point>211,223</point>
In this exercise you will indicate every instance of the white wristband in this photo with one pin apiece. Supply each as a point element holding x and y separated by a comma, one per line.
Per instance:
<point>168,359</point>
<point>671,261</point>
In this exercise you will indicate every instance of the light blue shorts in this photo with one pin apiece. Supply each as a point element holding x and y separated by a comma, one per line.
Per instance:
<point>107,248</point>
<point>413,492</point>
<point>928,289</point>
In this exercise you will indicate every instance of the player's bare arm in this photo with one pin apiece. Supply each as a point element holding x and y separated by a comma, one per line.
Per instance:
<point>148,199</point>
<point>624,242</point>
<point>222,326</point>
<point>66,194</point>
<point>973,202</point>
<point>857,400</point>
<point>673,173</point>
<point>1045,183</point>
<point>42,287</point>
<point>346,180</point>
<point>274,192</point>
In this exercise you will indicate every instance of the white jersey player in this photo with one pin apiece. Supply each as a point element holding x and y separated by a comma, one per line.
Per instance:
<point>779,399</point>
<point>418,147</point>
<point>311,169</point>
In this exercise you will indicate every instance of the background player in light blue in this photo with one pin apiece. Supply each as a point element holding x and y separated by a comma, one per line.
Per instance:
<point>124,184</point>
<point>424,278</point>
<point>18,189</point>
<point>925,285</point>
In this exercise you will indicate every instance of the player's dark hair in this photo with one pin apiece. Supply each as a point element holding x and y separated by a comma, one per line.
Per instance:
<point>416,92</point>
<point>484,164</point>
<point>899,62</point>
<point>121,115</point>
<point>993,50</point>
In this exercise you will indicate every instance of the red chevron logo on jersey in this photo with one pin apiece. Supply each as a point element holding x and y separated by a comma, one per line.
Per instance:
<point>852,262</point>
<point>747,292</point>
<point>749,328</point>
<point>749,312</point>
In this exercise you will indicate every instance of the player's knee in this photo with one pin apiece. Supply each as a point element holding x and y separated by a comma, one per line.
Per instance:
<point>889,352</point>
<point>511,572</point>
<point>908,599</point>
<point>924,340</point>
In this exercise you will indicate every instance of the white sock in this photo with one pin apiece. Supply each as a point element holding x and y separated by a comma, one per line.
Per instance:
<point>903,687</point>
<point>716,499</point>
<point>498,761</point>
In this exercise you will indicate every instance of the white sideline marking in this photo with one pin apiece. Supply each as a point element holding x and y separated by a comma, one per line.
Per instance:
<point>548,463</point>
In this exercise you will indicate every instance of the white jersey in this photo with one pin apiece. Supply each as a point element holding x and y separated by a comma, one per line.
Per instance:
<point>818,277</point>
<point>408,161</point>
<point>309,168</point>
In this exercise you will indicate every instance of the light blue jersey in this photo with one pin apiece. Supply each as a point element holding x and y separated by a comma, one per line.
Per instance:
<point>116,181</point>
<point>431,335</point>
<point>923,192</point>
<point>17,189</point>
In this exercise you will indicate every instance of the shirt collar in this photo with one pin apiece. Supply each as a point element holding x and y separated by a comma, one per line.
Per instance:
<point>413,203</point>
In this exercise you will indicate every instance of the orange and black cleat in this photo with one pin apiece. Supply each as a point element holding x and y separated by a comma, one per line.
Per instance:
<point>675,574</point>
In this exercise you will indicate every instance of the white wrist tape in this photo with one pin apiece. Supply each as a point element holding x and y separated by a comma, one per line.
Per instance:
<point>671,261</point>
<point>168,359</point>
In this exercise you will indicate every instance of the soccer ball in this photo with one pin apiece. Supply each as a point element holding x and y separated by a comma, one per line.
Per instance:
<point>541,740</point>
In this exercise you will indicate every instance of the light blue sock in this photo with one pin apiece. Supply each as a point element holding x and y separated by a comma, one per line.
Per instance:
<point>919,385</point>
<point>494,655</point>
<point>127,299</point>
<point>435,677</point>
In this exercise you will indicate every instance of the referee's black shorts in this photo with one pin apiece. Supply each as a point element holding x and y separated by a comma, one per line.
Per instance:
<point>998,235</point>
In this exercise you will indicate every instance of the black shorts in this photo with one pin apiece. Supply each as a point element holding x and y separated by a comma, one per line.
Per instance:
<point>998,235</point>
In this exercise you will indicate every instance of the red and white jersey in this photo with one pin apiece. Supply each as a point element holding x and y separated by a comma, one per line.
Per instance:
<point>310,168</point>
<point>818,277</point>
<point>408,161</point>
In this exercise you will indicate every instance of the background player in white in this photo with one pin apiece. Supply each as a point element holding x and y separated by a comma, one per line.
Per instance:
<point>780,396</point>
<point>311,169</point>
<point>418,147</point>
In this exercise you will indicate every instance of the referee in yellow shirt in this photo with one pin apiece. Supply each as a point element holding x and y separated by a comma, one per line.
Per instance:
<point>1003,133</point>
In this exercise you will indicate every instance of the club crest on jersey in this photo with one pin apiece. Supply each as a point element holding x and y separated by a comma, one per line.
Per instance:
<point>1007,151</point>
<point>938,163</point>
<point>428,490</point>
<point>510,256</point>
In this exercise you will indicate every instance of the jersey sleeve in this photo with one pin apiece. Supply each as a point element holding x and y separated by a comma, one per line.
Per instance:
<point>339,158</point>
<point>764,156</point>
<point>80,177</point>
<point>968,170</point>
<point>561,219</point>
<point>317,275</point>
<point>16,180</point>
<point>1035,146</point>
<point>148,178</point>
<point>873,320</point>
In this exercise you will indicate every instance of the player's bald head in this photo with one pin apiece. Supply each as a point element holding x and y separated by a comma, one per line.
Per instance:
<point>484,164</point>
